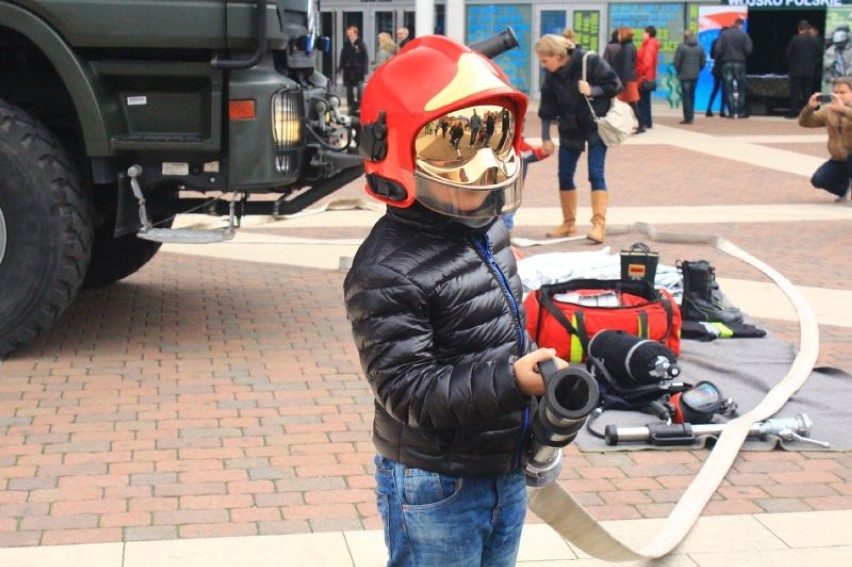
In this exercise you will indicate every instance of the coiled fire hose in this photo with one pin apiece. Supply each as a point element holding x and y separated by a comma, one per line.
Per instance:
<point>558,508</point>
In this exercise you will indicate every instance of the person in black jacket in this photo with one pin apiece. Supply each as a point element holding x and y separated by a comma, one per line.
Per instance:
<point>733,47</point>
<point>434,300</point>
<point>354,62</point>
<point>804,54</point>
<point>570,99</point>
<point>718,83</point>
<point>624,64</point>
<point>689,60</point>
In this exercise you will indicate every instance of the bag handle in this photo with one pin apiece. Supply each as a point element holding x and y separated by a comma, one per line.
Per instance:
<point>640,246</point>
<point>545,301</point>
<point>589,102</point>
<point>579,331</point>
<point>642,288</point>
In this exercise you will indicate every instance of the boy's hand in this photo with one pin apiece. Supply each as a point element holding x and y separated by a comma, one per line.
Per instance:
<point>529,380</point>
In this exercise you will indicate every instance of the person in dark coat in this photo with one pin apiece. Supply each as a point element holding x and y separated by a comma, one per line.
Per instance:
<point>718,84</point>
<point>624,65</point>
<point>804,54</point>
<point>354,63</point>
<point>434,300</point>
<point>611,48</point>
<point>402,36</point>
<point>689,60</point>
<point>733,48</point>
<point>456,133</point>
<point>569,99</point>
<point>489,128</point>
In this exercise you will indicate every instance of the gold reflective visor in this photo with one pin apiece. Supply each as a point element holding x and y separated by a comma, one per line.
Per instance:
<point>453,139</point>
<point>466,165</point>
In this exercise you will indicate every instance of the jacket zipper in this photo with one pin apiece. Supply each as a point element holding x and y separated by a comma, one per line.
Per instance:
<point>484,247</point>
<point>516,462</point>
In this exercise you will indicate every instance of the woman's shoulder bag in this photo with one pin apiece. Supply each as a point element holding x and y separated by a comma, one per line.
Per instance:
<point>619,121</point>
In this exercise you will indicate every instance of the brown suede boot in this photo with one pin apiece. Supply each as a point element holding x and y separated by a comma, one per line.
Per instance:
<point>568,201</point>
<point>599,202</point>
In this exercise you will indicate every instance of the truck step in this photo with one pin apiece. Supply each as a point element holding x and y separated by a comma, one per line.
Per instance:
<point>177,235</point>
<point>187,235</point>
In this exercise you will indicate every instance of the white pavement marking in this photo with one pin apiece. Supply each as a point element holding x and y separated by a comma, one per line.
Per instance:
<point>544,216</point>
<point>86,555</point>
<point>294,550</point>
<point>798,538</point>
<point>764,300</point>
<point>754,152</point>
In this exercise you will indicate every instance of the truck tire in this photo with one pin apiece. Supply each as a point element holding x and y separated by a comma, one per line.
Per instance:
<point>113,258</point>
<point>45,228</point>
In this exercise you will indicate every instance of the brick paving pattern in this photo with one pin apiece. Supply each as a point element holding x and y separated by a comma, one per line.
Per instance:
<point>202,397</point>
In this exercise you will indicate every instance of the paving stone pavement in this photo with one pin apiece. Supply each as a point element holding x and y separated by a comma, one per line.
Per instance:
<point>210,397</point>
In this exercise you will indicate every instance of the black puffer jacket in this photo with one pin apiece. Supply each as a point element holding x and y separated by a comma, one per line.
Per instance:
<point>437,330</point>
<point>560,99</point>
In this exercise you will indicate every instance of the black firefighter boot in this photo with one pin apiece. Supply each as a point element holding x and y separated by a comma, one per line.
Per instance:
<point>702,300</point>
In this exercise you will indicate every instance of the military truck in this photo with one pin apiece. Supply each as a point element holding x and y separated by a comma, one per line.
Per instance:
<point>117,115</point>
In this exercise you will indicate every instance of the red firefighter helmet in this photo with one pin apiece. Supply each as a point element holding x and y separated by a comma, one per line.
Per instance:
<point>442,125</point>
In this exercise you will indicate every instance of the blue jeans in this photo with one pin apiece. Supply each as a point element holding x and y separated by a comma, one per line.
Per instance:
<point>734,75</point>
<point>833,176</point>
<point>432,519</point>
<point>568,159</point>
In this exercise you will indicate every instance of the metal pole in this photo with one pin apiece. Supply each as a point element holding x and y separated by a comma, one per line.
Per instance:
<point>425,20</point>
<point>455,20</point>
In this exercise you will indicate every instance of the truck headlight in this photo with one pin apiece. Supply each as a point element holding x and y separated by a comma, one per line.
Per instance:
<point>288,129</point>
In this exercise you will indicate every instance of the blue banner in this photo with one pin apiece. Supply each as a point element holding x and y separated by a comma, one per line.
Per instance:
<point>483,21</point>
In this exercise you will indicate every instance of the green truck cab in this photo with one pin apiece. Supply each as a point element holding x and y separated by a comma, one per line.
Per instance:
<point>117,115</point>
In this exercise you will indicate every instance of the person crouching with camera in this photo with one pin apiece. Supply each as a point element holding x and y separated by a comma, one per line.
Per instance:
<point>834,112</point>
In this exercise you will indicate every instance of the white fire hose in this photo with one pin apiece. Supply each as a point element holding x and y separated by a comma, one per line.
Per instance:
<point>558,508</point>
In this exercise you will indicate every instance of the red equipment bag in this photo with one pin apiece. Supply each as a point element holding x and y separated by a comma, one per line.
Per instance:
<point>565,315</point>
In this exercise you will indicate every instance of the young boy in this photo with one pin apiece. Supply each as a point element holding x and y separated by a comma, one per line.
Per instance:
<point>434,300</point>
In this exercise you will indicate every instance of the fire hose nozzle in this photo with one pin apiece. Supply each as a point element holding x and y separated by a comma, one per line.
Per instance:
<point>796,428</point>
<point>570,395</point>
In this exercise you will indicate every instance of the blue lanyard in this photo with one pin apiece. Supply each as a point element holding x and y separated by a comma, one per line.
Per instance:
<point>483,244</point>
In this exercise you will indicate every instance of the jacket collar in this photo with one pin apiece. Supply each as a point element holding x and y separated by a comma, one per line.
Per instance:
<point>428,221</point>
